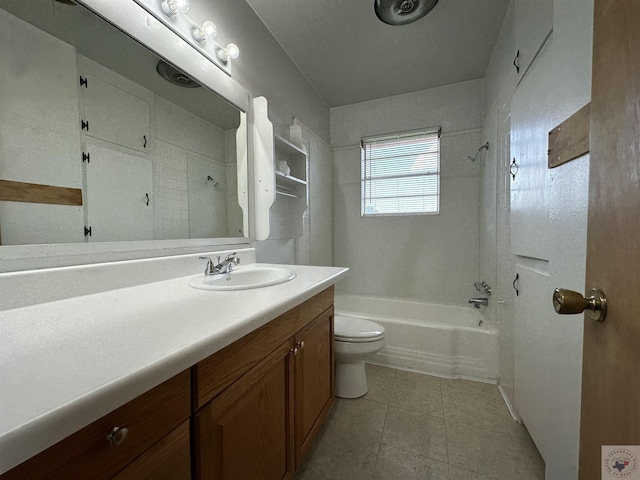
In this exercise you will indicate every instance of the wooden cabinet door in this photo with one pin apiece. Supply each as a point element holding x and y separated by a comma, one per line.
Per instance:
<point>246,431</point>
<point>314,371</point>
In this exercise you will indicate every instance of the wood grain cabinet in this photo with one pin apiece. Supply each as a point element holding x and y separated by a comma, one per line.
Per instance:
<point>314,381</point>
<point>262,424</point>
<point>249,411</point>
<point>156,445</point>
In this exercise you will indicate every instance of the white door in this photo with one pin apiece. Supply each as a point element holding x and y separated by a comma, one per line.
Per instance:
<point>115,115</point>
<point>119,196</point>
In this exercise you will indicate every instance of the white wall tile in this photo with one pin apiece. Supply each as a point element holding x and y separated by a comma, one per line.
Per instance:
<point>427,258</point>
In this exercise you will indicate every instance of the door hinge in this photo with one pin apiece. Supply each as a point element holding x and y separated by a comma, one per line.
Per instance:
<point>84,125</point>
<point>86,157</point>
<point>87,231</point>
<point>84,82</point>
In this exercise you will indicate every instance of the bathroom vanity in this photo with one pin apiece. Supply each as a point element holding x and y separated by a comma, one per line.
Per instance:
<point>121,369</point>
<point>244,400</point>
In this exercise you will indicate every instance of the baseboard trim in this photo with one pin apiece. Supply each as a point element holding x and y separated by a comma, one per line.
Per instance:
<point>434,364</point>
<point>507,402</point>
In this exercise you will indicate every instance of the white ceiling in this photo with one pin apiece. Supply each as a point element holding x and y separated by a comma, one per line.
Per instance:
<point>350,56</point>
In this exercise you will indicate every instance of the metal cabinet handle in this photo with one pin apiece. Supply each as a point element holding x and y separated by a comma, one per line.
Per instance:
<point>117,436</point>
<point>513,169</point>
<point>301,344</point>
<point>295,351</point>
<point>567,302</point>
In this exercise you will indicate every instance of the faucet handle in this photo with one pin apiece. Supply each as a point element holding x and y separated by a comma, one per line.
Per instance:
<point>209,269</point>
<point>232,258</point>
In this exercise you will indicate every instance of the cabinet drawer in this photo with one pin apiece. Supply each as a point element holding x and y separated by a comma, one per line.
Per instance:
<point>221,369</point>
<point>169,459</point>
<point>87,454</point>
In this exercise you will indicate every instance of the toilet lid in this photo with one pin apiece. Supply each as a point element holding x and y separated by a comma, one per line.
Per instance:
<point>355,329</point>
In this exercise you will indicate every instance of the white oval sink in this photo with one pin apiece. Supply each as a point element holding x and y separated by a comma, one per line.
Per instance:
<point>244,278</point>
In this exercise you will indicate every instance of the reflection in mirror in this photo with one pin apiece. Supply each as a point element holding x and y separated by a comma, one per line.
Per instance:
<point>102,141</point>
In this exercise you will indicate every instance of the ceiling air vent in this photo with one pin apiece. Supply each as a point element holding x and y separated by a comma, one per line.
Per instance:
<point>402,12</point>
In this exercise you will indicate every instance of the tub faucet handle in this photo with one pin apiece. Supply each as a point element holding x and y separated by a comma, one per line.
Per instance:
<point>482,287</point>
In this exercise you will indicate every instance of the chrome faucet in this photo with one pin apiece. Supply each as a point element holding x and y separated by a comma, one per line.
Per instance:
<point>477,301</point>
<point>226,266</point>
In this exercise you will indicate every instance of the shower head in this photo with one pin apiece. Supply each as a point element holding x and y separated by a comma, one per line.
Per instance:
<point>473,158</point>
<point>402,12</point>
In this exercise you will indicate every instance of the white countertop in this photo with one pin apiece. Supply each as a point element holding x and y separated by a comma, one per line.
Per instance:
<point>66,363</point>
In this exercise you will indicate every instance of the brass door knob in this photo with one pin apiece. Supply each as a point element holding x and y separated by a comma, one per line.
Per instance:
<point>567,302</point>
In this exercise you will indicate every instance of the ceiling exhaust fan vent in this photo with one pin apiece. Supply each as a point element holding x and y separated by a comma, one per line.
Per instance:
<point>173,75</point>
<point>402,12</point>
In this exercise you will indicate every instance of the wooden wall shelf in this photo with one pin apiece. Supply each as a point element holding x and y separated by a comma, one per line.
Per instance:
<point>570,139</point>
<point>36,193</point>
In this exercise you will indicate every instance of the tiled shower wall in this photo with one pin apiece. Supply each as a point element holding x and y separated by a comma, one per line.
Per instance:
<point>171,212</point>
<point>430,258</point>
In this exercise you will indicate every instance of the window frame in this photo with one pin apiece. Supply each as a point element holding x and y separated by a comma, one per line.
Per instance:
<point>365,181</point>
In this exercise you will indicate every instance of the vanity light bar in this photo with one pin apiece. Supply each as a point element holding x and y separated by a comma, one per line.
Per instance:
<point>206,31</point>
<point>229,52</point>
<point>171,8</point>
<point>175,11</point>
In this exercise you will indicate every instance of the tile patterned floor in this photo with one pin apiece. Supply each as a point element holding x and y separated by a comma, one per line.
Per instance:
<point>412,426</point>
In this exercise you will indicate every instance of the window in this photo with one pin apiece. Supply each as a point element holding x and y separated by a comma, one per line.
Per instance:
<point>401,174</point>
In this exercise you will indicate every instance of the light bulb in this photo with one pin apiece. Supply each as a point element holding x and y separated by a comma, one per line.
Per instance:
<point>171,8</point>
<point>207,30</point>
<point>229,52</point>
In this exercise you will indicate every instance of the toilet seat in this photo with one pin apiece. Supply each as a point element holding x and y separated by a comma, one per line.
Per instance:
<point>356,330</point>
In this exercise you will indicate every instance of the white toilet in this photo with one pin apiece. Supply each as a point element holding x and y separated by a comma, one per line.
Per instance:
<point>353,339</point>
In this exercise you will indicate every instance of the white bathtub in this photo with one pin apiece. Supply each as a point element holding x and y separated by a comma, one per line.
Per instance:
<point>441,340</point>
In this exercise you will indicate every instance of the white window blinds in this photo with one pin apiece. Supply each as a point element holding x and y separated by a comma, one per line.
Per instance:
<point>401,174</point>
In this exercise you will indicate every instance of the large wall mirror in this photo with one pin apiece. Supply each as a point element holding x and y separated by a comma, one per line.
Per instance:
<point>102,140</point>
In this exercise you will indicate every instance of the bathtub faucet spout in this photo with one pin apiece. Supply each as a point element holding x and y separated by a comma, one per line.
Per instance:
<point>476,302</point>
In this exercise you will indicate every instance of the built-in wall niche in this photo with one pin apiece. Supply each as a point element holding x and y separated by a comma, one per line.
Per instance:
<point>281,166</point>
<point>84,111</point>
